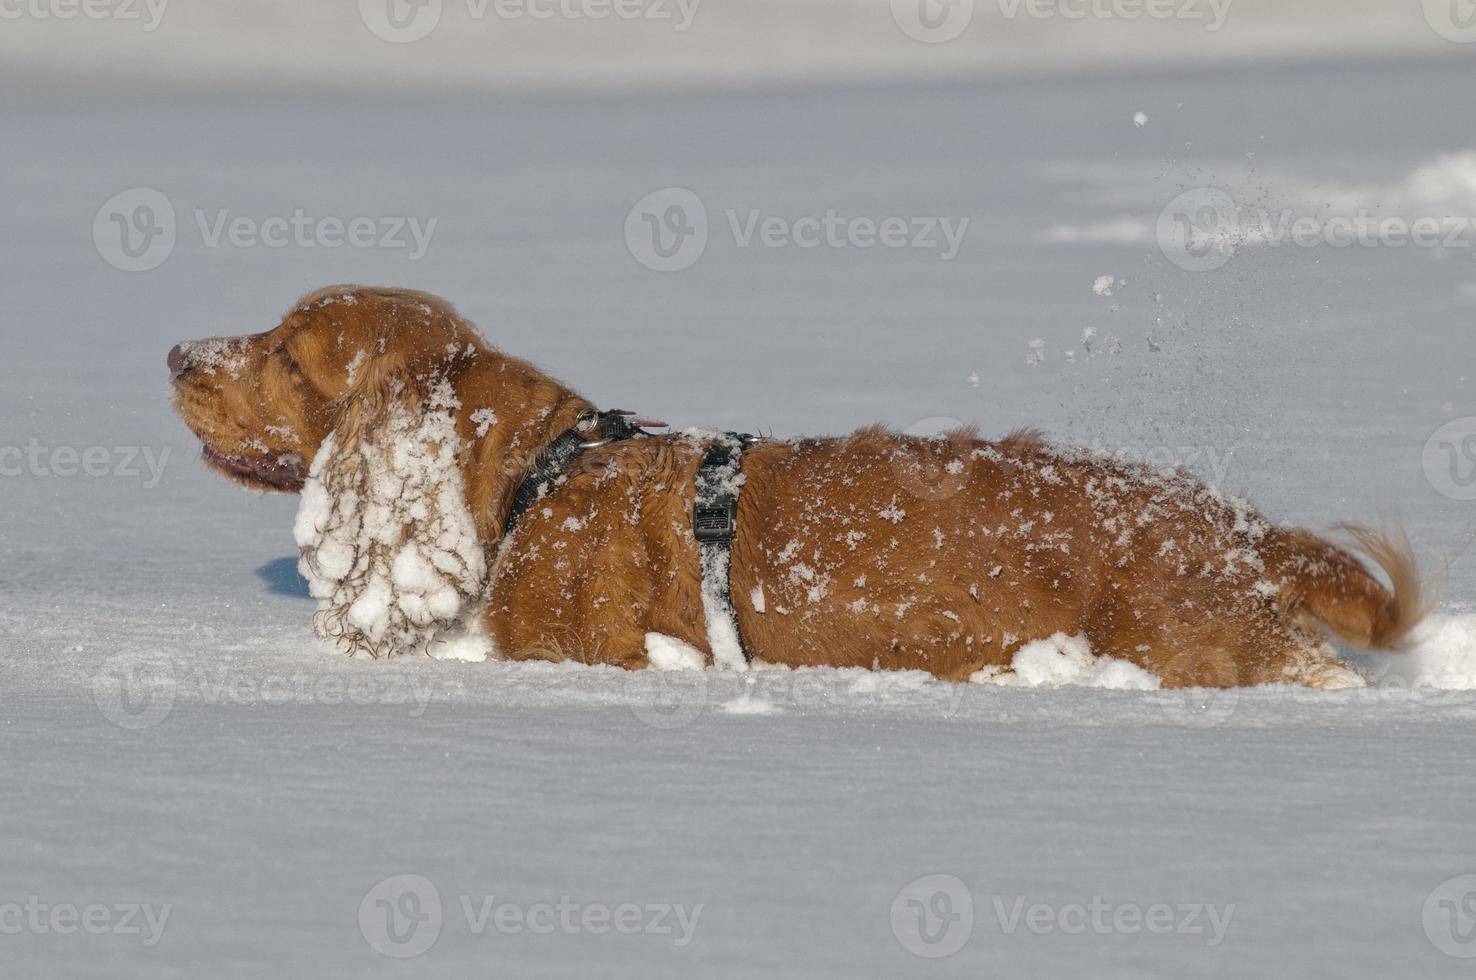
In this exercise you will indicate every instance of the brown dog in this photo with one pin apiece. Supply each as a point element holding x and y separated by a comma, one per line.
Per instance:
<point>875,550</point>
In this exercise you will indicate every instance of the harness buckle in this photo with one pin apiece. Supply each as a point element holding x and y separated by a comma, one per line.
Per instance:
<point>714,523</point>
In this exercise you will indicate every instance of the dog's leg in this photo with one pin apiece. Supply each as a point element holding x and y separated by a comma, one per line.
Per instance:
<point>618,648</point>
<point>1318,666</point>
<point>1260,659</point>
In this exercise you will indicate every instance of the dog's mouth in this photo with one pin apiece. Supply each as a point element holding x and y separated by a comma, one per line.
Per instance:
<point>284,473</point>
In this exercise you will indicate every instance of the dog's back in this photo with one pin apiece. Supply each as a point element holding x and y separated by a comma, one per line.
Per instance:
<point>948,554</point>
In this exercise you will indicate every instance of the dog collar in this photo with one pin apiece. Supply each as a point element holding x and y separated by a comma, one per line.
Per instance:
<point>591,429</point>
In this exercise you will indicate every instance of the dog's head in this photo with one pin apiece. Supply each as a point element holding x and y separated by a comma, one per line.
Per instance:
<point>353,401</point>
<point>263,404</point>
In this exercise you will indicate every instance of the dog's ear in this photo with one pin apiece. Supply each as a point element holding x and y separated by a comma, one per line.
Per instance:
<point>389,547</point>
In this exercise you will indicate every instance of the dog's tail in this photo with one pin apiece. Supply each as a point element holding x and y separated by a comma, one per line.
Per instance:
<point>1325,586</point>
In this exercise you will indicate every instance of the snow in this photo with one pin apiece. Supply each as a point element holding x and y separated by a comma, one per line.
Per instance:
<point>389,546</point>
<point>1236,211</point>
<point>484,419</point>
<point>716,485</point>
<point>669,653</point>
<point>1061,660</point>
<point>1442,656</point>
<point>469,644</point>
<point>172,733</point>
<point>718,614</point>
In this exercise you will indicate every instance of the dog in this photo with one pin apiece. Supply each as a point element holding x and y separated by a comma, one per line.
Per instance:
<point>410,440</point>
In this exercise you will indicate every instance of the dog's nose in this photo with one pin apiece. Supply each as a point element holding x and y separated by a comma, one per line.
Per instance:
<point>177,365</point>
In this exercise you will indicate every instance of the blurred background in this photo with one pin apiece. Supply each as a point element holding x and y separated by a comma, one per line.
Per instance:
<point>495,46</point>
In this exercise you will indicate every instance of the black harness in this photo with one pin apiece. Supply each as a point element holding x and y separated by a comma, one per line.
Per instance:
<point>714,525</point>
<point>590,430</point>
<point>714,514</point>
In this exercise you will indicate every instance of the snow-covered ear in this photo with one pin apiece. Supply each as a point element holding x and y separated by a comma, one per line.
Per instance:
<point>389,547</point>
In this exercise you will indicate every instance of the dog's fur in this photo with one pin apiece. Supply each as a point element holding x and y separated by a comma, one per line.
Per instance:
<point>876,550</point>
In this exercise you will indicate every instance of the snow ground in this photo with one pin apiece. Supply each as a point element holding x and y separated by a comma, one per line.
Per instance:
<point>171,736</point>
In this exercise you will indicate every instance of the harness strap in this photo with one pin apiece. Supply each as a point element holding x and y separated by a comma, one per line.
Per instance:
<point>714,524</point>
<point>591,430</point>
<point>714,515</point>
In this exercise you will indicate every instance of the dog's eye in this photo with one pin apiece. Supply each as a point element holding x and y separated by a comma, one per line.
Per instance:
<point>283,361</point>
